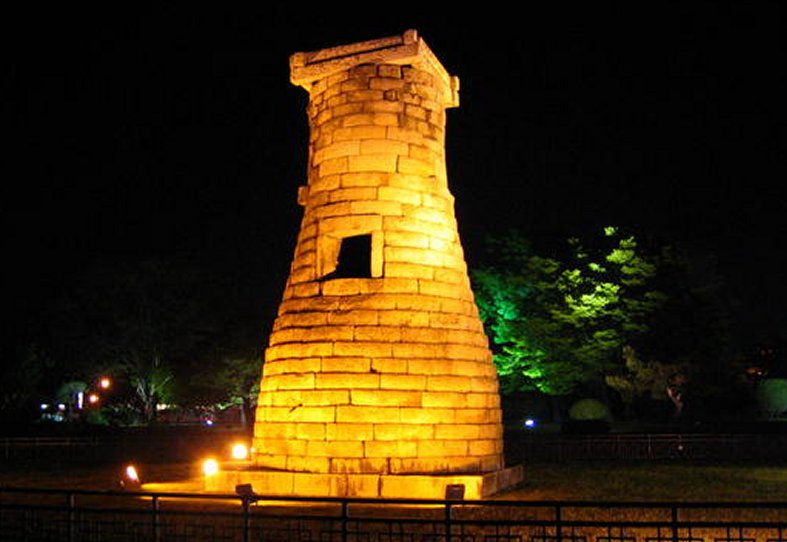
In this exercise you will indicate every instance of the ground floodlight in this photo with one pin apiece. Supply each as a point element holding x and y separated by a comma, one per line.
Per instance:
<point>240,451</point>
<point>130,478</point>
<point>210,467</point>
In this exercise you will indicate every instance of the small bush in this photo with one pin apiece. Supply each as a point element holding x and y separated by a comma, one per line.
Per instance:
<point>587,410</point>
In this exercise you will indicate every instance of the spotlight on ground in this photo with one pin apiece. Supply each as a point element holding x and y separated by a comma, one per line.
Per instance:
<point>210,467</point>
<point>240,451</point>
<point>530,423</point>
<point>130,478</point>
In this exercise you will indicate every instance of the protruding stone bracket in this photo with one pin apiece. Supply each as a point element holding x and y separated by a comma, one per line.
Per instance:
<point>407,49</point>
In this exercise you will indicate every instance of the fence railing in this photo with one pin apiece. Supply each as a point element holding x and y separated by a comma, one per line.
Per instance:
<point>69,516</point>
<point>90,448</point>
<point>627,446</point>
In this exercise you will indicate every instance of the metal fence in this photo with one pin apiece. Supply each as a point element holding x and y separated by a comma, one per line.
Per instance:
<point>69,516</point>
<point>649,447</point>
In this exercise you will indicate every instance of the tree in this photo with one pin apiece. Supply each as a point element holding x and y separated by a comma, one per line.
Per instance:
<point>556,324</point>
<point>139,321</point>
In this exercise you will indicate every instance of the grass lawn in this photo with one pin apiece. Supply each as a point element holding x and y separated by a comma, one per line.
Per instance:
<point>652,482</point>
<point>575,481</point>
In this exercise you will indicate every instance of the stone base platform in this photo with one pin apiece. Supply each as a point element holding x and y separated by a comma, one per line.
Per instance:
<point>386,486</point>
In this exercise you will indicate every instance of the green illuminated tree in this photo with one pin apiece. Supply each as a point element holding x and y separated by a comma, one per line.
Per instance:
<point>558,323</point>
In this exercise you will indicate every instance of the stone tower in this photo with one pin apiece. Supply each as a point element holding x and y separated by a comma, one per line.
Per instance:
<point>378,380</point>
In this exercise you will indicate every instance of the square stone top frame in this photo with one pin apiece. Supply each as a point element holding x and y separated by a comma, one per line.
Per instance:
<point>407,49</point>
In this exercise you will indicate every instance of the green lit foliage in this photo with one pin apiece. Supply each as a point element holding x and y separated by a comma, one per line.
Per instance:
<point>772,397</point>
<point>557,323</point>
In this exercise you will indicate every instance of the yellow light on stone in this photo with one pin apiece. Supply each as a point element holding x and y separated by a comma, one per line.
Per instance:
<point>210,467</point>
<point>240,451</point>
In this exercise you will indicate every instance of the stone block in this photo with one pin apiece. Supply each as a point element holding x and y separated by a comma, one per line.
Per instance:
<point>410,351</point>
<point>346,365</point>
<point>402,382</point>
<point>370,119</point>
<point>364,179</point>
<point>351,223</point>
<point>360,132</point>
<point>442,448</point>
<point>394,285</point>
<point>483,447</point>
<point>364,95</point>
<point>335,448</point>
<point>425,335</point>
<point>445,399</point>
<point>356,317</point>
<point>335,150</point>
<point>308,464</point>
<point>347,109</point>
<point>334,166</point>
<point>414,255</point>
<point>349,431</point>
<point>435,465</point>
<point>385,162</point>
<point>430,415</point>
<point>377,465</point>
<point>369,302</point>
<point>413,166</point>
<point>341,208</point>
<point>451,383</point>
<point>350,286</point>
<point>283,381</point>
<point>388,367</point>
<point>403,431</point>
<point>382,146</point>
<point>410,270</point>
<point>353,194</point>
<point>475,415</point>
<point>289,447</point>
<point>310,431</point>
<point>392,208</point>
<point>321,397</point>
<point>366,414</point>
<point>368,348</point>
<point>429,366</point>
<point>377,333</point>
<point>318,485</point>
<point>385,397</point>
<point>403,318</point>
<point>347,381</point>
<point>390,448</point>
<point>457,432</point>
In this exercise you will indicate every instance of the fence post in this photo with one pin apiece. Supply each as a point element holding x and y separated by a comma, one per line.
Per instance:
<point>71,502</point>
<point>156,519</point>
<point>558,523</point>
<point>448,514</point>
<point>674,513</point>
<point>245,500</point>
<point>344,520</point>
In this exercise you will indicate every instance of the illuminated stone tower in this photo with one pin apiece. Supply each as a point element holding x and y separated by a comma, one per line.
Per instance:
<point>378,380</point>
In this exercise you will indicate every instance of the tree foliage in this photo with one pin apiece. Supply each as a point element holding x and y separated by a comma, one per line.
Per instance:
<point>556,323</point>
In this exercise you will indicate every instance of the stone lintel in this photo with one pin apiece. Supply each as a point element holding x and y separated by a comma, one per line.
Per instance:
<point>407,49</point>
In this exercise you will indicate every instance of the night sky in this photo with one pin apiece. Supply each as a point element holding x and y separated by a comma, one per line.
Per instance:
<point>174,131</point>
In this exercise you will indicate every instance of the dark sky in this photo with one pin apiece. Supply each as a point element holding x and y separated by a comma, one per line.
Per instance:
<point>175,131</point>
